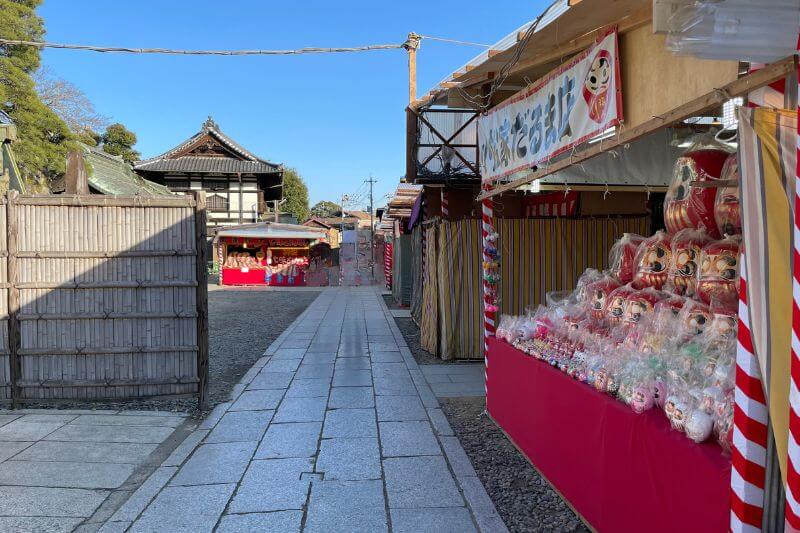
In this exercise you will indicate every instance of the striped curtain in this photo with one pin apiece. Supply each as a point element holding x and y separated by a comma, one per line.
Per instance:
<point>429,313</point>
<point>767,156</point>
<point>537,256</point>
<point>549,254</point>
<point>460,289</point>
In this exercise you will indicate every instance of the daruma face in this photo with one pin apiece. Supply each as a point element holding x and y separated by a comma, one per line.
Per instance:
<point>655,257</point>
<point>719,273</point>
<point>683,272</point>
<point>689,206</point>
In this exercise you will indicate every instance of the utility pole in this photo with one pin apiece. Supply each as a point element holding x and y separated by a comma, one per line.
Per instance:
<point>345,198</point>
<point>371,182</point>
<point>411,45</point>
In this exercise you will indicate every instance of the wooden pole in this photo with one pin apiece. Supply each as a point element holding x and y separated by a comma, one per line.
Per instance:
<point>14,334</point>
<point>202,298</point>
<point>411,45</point>
<point>76,179</point>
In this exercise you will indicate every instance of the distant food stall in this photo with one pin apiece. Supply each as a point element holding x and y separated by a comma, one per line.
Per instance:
<point>267,253</point>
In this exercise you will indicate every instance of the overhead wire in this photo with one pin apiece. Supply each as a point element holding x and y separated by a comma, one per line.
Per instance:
<point>203,52</point>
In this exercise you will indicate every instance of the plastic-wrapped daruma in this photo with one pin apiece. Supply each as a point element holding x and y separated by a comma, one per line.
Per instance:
<point>719,273</point>
<point>615,304</point>
<point>689,206</point>
<point>652,261</point>
<point>598,296</point>
<point>687,245</point>
<point>726,207</point>
<point>622,257</point>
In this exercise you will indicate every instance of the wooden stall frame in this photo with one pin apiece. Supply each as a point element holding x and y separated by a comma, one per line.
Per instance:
<point>771,73</point>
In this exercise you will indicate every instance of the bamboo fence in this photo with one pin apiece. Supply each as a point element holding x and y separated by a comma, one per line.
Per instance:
<point>102,297</point>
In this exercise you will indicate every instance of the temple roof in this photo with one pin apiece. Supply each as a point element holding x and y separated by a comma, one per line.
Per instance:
<point>109,174</point>
<point>209,151</point>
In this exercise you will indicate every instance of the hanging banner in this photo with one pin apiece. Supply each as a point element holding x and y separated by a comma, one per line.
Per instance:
<point>572,104</point>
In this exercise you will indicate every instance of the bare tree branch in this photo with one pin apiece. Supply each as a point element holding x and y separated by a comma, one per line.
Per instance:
<point>68,102</point>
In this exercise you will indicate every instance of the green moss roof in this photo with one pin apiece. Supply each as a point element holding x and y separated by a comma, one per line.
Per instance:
<point>109,174</point>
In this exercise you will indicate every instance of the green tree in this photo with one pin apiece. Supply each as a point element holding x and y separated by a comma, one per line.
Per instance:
<point>44,139</point>
<point>119,140</point>
<point>326,209</point>
<point>295,193</point>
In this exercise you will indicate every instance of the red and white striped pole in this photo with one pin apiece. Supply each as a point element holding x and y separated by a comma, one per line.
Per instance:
<point>750,418</point>
<point>445,205</point>
<point>487,231</point>
<point>792,514</point>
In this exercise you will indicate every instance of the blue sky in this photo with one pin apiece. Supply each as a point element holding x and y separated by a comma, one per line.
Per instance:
<point>336,118</point>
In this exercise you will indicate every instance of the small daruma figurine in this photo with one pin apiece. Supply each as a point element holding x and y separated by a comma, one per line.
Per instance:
<point>726,207</point>
<point>688,206</point>
<point>687,245</point>
<point>598,295</point>
<point>652,261</point>
<point>694,318</point>
<point>622,257</point>
<point>719,273</point>
<point>615,304</point>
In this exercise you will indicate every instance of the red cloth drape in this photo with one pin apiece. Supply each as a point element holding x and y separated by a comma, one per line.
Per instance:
<point>621,471</point>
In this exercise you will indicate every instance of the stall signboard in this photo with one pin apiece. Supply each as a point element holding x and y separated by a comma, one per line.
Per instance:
<point>579,100</point>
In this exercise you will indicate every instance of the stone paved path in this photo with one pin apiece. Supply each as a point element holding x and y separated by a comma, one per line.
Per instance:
<point>335,429</point>
<point>62,468</point>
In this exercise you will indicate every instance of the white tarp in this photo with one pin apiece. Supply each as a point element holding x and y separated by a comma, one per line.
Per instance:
<point>574,103</point>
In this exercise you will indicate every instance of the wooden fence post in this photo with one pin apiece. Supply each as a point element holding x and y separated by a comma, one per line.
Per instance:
<point>14,335</point>
<point>202,297</point>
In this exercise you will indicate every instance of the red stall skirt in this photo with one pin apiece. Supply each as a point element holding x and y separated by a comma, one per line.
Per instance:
<point>234,276</point>
<point>621,471</point>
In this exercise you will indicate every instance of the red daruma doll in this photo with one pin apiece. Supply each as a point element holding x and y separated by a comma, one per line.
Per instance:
<point>598,296</point>
<point>622,257</point>
<point>689,206</point>
<point>687,245</point>
<point>596,85</point>
<point>652,261</point>
<point>719,273</point>
<point>615,304</point>
<point>726,207</point>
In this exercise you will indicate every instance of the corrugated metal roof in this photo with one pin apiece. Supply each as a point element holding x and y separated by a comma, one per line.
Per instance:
<point>272,230</point>
<point>222,165</point>
<point>109,174</point>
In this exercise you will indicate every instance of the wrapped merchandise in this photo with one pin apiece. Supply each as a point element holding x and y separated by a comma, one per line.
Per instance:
<point>615,304</point>
<point>687,246</point>
<point>727,211</point>
<point>693,319</point>
<point>598,296</point>
<point>652,261</point>
<point>622,257</point>
<point>640,304</point>
<point>582,294</point>
<point>719,273</point>
<point>687,205</point>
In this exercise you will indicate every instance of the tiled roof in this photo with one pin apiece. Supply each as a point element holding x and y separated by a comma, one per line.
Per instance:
<point>4,118</point>
<point>170,162</point>
<point>109,174</point>
<point>223,165</point>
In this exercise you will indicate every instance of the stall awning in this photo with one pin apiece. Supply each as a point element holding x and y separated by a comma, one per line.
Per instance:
<point>271,230</point>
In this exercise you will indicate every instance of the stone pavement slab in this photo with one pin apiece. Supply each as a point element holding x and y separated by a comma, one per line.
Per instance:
<point>185,509</point>
<point>98,452</point>
<point>140,434</point>
<point>46,501</point>
<point>350,423</point>
<point>216,463</point>
<point>351,397</point>
<point>349,459</point>
<point>352,506</point>
<point>38,523</point>
<point>279,521</point>
<point>309,388</point>
<point>272,485</point>
<point>64,474</point>
<point>408,439</point>
<point>400,408</point>
<point>258,400</point>
<point>241,426</point>
<point>301,410</point>
<point>440,520</point>
<point>290,440</point>
<point>413,482</point>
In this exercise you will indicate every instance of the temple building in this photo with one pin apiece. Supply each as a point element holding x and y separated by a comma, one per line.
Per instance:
<point>240,187</point>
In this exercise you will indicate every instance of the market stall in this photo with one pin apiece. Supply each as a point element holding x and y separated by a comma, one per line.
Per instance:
<point>269,253</point>
<point>626,390</point>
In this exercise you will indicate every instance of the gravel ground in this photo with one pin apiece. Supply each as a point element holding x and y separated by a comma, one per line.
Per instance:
<point>241,325</point>
<point>410,333</point>
<point>525,501</point>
